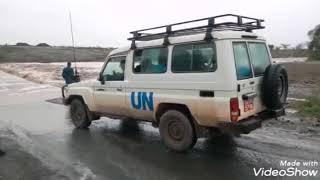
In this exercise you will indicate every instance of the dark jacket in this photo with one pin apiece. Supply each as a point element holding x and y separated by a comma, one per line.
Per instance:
<point>68,75</point>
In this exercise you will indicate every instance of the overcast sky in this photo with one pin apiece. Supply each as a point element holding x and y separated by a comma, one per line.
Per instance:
<point>108,22</point>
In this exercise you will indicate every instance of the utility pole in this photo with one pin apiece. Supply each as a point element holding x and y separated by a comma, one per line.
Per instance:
<point>77,77</point>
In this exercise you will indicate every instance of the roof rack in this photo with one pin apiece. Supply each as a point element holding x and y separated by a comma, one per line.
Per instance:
<point>242,23</point>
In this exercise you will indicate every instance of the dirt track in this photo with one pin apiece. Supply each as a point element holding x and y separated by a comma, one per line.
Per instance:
<point>304,78</point>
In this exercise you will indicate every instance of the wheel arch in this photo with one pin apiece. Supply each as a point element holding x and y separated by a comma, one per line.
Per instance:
<point>72,97</point>
<point>163,107</point>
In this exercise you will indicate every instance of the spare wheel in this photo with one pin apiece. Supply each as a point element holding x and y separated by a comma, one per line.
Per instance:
<point>275,87</point>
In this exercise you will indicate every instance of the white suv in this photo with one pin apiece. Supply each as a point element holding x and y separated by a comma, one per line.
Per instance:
<point>189,82</point>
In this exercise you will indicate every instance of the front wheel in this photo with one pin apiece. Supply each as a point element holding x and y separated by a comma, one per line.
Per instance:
<point>79,115</point>
<point>177,131</point>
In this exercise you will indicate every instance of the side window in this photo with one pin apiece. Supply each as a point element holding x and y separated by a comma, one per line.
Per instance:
<point>242,61</point>
<point>150,61</point>
<point>114,70</point>
<point>194,58</point>
<point>259,57</point>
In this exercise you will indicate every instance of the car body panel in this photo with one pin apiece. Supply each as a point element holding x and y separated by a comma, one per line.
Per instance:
<point>142,94</point>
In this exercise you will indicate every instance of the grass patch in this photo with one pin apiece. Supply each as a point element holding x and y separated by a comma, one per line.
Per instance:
<point>311,107</point>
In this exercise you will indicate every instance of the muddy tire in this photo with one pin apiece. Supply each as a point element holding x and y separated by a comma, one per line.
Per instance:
<point>177,131</point>
<point>275,87</point>
<point>78,113</point>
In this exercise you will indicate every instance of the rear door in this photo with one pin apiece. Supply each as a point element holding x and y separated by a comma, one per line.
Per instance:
<point>251,60</point>
<point>260,59</point>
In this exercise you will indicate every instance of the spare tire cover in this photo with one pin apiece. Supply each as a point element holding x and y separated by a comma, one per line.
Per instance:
<point>275,87</point>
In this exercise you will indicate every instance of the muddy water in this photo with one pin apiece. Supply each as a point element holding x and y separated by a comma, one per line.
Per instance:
<point>50,73</point>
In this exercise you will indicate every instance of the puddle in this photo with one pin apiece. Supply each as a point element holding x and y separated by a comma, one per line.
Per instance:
<point>291,111</point>
<point>55,101</point>
<point>296,99</point>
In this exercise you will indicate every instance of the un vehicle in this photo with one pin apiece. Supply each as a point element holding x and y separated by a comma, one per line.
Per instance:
<point>189,80</point>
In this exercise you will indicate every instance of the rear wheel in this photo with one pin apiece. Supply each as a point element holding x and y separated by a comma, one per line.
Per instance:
<point>79,115</point>
<point>177,131</point>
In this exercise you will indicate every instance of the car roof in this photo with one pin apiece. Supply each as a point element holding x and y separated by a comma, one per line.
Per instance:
<point>218,35</point>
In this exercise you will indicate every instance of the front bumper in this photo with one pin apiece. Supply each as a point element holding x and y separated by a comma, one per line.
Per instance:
<point>64,99</point>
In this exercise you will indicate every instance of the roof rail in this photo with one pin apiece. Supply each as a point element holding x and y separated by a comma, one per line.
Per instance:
<point>242,23</point>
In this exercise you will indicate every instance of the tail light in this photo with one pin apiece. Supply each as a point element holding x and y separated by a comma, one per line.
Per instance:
<point>234,109</point>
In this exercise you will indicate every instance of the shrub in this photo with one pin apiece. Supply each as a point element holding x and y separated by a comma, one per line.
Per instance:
<point>314,46</point>
<point>311,107</point>
<point>43,45</point>
<point>22,44</point>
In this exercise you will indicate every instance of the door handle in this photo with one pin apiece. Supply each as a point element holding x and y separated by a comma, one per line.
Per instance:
<point>119,89</point>
<point>206,93</point>
<point>252,82</point>
<point>100,89</point>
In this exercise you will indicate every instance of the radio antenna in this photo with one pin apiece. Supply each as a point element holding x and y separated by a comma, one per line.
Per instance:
<point>73,48</point>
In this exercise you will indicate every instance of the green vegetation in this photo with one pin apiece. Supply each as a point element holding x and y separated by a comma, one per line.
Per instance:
<point>286,53</point>
<point>314,46</point>
<point>22,44</point>
<point>305,49</point>
<point>311,107</point>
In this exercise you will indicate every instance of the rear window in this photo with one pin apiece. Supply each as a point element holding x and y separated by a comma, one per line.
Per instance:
<point>150,61</point>
<point>259,57</point>
<point>194,58</point>
<point>242,61</point>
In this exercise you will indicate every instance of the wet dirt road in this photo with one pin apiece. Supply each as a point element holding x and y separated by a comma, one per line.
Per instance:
<point>41,143</point>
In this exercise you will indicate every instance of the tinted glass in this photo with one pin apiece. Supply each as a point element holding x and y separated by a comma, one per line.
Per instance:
<point>194,58</point>
<point>259,57</point>
<point>150,61</point>
<point>241,57</point>
<point>114,71</point>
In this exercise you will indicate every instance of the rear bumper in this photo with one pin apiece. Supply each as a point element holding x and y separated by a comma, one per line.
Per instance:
<point>245,126</point>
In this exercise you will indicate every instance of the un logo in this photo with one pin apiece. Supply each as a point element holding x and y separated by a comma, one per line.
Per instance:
<point>142,100</point>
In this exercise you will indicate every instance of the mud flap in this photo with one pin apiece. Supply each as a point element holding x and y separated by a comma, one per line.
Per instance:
<point>278,113</point>
<point>250,125</point>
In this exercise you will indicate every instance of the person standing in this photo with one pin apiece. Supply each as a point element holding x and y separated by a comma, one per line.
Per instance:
<point>68,74</point>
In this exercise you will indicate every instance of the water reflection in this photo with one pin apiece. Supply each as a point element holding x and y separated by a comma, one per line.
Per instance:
<point>130,128</point>
<point>129,148</point>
